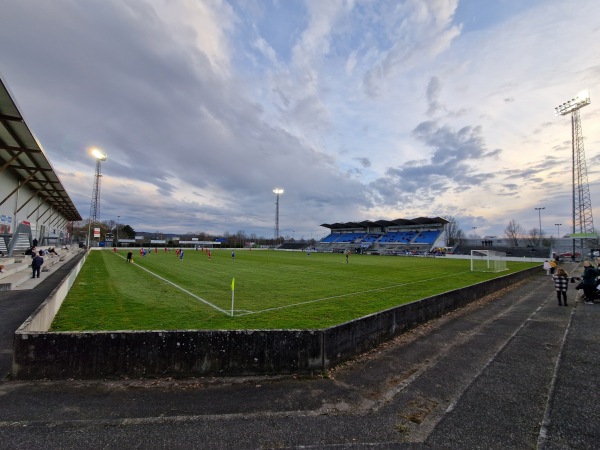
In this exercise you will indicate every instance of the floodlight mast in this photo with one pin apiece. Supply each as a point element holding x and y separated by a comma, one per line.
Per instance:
<point>583,222</point>
<point>95,204</point>
<point>277,192</point>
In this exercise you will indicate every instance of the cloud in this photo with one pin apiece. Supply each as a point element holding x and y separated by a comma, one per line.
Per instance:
<point>433,91</point>
<point>357,109</point>
<point>449,167</point>
<point>417,32</point>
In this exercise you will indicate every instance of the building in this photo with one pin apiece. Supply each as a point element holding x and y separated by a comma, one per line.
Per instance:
<point>33,202</point>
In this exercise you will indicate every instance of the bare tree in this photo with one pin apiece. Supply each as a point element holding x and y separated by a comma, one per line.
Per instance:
<point>454,235</point>
<point>513,232</point>
<point>533,238</point>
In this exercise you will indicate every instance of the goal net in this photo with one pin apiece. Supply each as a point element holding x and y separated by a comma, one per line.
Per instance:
<point>488,261</point>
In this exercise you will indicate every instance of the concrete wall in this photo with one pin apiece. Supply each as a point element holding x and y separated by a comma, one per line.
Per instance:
<point>40,354</point>
<point>43,316</point>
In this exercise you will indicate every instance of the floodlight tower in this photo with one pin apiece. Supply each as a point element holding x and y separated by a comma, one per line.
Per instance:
<point>95,206</point>
<point>583,222</point>
<point>277,192</point>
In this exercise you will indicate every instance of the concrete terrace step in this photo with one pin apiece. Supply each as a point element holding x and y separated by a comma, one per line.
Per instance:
<point>12,281</point>
<point>18,276</point>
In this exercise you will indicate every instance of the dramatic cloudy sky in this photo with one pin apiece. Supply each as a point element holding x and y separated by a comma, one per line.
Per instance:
<point>359,109</point>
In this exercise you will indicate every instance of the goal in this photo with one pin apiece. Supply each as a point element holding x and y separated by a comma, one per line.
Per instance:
<point>488,261</point>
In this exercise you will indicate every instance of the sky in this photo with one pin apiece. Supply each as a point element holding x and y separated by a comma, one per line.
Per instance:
<point>358,109</point>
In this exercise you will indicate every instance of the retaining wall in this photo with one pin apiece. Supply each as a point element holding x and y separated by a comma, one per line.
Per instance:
<point>41,354</point>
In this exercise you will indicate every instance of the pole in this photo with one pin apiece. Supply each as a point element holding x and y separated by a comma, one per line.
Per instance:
<point>539,210</point>
<point>232,294</point>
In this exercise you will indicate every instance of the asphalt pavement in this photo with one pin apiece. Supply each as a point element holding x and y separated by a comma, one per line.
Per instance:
<point>512,370</point>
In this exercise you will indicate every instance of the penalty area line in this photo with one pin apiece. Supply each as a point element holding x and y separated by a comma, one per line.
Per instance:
<point>350,294</point>
<point>191,294</point>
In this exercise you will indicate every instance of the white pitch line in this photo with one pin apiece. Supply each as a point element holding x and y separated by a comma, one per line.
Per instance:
<point>348,295</point>
<point>182,289</point>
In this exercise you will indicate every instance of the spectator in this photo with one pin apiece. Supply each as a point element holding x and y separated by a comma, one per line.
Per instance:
<point>552,266</point>
<point>36,265</point>
<point>561,283</point>
<point>547,267</point>
<point>588,281</point>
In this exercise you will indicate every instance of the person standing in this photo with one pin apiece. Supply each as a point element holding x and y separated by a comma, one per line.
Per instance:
<point>553,266</point>
<point>36,265</point>
<point>232,254</point>
<point>588,280</point>
<point>547,267</point>
<point>129,256</point>
<point>181,255</point>
<point>561,283</point>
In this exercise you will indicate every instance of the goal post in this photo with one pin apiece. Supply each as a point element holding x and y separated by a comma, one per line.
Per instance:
<point>488,261</point>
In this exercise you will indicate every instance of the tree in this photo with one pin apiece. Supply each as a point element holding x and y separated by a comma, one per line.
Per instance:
<point>533,238</point>
<point>513,232</point>
<point>128,231</point>
<point>454,235</point>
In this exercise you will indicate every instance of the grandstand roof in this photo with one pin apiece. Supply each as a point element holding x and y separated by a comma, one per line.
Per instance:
<point>22,155</point>
<point>386,223</point>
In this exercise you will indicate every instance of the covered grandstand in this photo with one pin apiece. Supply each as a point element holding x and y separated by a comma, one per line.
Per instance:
<point>387,237</point>
<point>33,202</point>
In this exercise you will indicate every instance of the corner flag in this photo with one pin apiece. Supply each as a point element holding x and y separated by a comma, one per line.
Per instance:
<point>232,294</point>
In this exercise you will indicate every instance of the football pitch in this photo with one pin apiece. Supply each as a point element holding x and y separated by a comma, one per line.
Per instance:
<point>272,289</point>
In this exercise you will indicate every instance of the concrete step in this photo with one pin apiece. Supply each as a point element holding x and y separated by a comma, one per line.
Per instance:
<point>18,276</point>
<point>10,282</point>
<point>13,268</point>
<point>54,263</point>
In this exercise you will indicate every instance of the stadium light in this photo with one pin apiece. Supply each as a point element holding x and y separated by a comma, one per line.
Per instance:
<point>558,230</point>
<point>583,221</point>
<point>582,99</point>
<point>95,205</point>
<point>277,192</point>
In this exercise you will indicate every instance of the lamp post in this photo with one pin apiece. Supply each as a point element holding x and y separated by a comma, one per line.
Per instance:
<point>95,205</point>
<point>539,210</point>
<point>583,222</point>
<point>118,219</point>
<point>277,192</point>
<point>558,230</point>
<point>474,235</point>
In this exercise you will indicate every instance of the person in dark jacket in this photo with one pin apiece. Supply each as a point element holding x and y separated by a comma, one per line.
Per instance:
<point>36,265</point>
<point>588,280</point>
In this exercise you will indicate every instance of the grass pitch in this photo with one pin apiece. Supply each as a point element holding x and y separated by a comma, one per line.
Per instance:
<point>272,290</point>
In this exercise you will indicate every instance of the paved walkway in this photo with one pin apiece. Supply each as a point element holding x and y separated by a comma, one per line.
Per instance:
<point>513,370</point>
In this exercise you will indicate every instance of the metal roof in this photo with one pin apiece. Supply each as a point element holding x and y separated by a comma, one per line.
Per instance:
<point>22,155</point>
<point>387,223</point>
